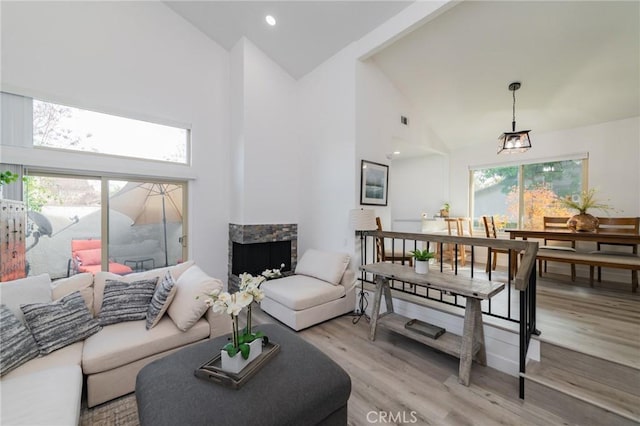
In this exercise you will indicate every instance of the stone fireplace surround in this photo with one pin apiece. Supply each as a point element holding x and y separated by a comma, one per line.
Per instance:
<point>262,233</point>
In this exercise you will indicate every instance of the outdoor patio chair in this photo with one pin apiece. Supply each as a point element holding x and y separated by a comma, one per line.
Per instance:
<point>86,256</point>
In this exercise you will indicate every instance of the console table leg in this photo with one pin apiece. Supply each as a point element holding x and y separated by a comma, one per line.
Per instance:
<point>472,315</point>
<point>478,333</point>
<point>375,312</point>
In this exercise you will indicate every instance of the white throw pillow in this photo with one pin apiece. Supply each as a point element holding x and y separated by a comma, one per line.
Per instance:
<point>185,310</point>
<point>326,266</point>
<point>36,289</point>
<point>80,282</point>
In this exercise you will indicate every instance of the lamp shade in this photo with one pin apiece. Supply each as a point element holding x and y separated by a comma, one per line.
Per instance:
<point>363,220</point>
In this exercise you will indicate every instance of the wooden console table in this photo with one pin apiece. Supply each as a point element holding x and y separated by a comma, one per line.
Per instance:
<point>465,347</point>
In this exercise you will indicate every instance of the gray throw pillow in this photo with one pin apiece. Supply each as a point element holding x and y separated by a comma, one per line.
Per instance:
<point>165,291</point>
<point>58,324</point>
<point>18,345</point>
<point>126,301</point>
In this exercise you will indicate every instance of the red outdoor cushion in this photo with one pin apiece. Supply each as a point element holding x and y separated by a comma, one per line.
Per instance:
<point>89,257</point>
<point>116,268</point>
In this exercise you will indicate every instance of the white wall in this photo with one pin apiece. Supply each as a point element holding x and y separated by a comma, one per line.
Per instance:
<point>421,185</point>
<point>265,148</point>
<point>137,59</point>
<point>272,149</point>
<point>326,105</point>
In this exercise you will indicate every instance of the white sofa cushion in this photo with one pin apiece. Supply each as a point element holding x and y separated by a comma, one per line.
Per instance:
<point>26,290</point>
<point>80,282</point>
<point>188,305</point>
<point>300,292</point>
<point>120,344</point>
<point>326,266</point>
<point>69,355</point>
<point>101,278</point>
<point>50,397</point>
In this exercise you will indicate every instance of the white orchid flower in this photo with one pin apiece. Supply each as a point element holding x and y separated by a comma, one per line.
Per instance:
<point>243,298</point>
<point>234,309</point>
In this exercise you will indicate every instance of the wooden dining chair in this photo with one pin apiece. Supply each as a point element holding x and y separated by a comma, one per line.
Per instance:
<point>491,232</point>
<point>551,223</point>
<point>465,229</point>
<point>616,225</point>
<point>397,255</point>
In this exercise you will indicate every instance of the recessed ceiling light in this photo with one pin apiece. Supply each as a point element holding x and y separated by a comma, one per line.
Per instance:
<point>270,20</point>
<point>396,152</point>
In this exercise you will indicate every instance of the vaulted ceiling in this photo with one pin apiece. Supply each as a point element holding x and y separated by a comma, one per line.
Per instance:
<point>578,61</point>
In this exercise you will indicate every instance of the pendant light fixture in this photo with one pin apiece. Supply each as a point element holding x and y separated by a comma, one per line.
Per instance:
<point>510,142</point>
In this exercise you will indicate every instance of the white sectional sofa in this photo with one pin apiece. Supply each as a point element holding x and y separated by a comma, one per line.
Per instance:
<point>322,288</point>
<point>47,390</point>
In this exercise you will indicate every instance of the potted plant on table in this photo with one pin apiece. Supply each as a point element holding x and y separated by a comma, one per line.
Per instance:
<point>444,211</point>
<point>245,345</point>
<point>421,260</point>
<point>583,221</point>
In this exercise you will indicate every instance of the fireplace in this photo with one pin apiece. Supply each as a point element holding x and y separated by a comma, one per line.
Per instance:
<point>254,248</point>
<point>255,258</point>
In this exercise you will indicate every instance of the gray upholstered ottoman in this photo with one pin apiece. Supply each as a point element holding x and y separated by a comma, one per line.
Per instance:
<point>299,386</point>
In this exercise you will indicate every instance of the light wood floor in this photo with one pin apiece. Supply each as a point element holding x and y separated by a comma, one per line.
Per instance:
<point>600,322</point>
<point>395,376</point>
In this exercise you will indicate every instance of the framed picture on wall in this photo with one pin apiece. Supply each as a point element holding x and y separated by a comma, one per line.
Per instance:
<point>374,183</point>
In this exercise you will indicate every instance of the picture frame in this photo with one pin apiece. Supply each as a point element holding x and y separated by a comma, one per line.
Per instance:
<point>374,183</point>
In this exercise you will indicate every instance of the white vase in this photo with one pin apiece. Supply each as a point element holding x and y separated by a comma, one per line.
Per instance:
<point>236,363</point>
<point>422,266</point>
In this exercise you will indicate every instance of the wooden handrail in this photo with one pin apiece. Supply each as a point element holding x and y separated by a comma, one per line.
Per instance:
<point>528,249</point>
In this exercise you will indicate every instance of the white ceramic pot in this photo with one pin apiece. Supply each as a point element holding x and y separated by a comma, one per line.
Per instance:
<point>422,266</point>
<point>237,363</point>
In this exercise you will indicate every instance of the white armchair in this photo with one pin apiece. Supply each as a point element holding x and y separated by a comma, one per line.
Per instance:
<point>322,288</point>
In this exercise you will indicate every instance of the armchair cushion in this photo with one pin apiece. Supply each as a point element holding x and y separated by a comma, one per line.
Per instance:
<point>326,266</point>
<point>299,292</point>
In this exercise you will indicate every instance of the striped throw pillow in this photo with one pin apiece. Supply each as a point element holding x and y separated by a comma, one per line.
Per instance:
<point>58,324</point>
<point>126,301</point>
<point>18,345</point>
<point>165,291</point>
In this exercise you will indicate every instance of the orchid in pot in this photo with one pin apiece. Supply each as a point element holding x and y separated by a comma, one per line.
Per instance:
<point>244,342</point>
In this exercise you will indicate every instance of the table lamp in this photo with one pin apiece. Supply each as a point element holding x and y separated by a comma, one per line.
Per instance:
<point>362,220</point>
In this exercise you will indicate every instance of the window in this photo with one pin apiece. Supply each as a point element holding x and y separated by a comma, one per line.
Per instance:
<point>63,127</point>
<point>65,231</point>
<point>520,195</point>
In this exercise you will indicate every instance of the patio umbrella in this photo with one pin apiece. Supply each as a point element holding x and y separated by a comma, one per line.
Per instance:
<point>150,203</point>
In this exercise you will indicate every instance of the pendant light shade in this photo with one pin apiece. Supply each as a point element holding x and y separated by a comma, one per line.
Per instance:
<point>511,142</point>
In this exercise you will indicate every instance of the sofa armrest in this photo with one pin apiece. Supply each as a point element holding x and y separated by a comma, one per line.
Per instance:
<point>219,324</point>
<point>349,280</point>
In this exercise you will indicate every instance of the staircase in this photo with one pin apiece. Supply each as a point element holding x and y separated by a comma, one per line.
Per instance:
<point>590,386</point>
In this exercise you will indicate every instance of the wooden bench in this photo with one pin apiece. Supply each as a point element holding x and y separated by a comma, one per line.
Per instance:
<point>466,347</point>
<point>618,261</point>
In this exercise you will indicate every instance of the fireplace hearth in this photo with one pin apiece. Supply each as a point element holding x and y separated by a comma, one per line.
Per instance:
<point>254,248</point>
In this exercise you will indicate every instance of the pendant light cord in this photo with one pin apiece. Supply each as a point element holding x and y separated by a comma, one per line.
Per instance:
<point>513,122</point>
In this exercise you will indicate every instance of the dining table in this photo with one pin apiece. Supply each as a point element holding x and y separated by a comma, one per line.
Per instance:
<point>597,236</point>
